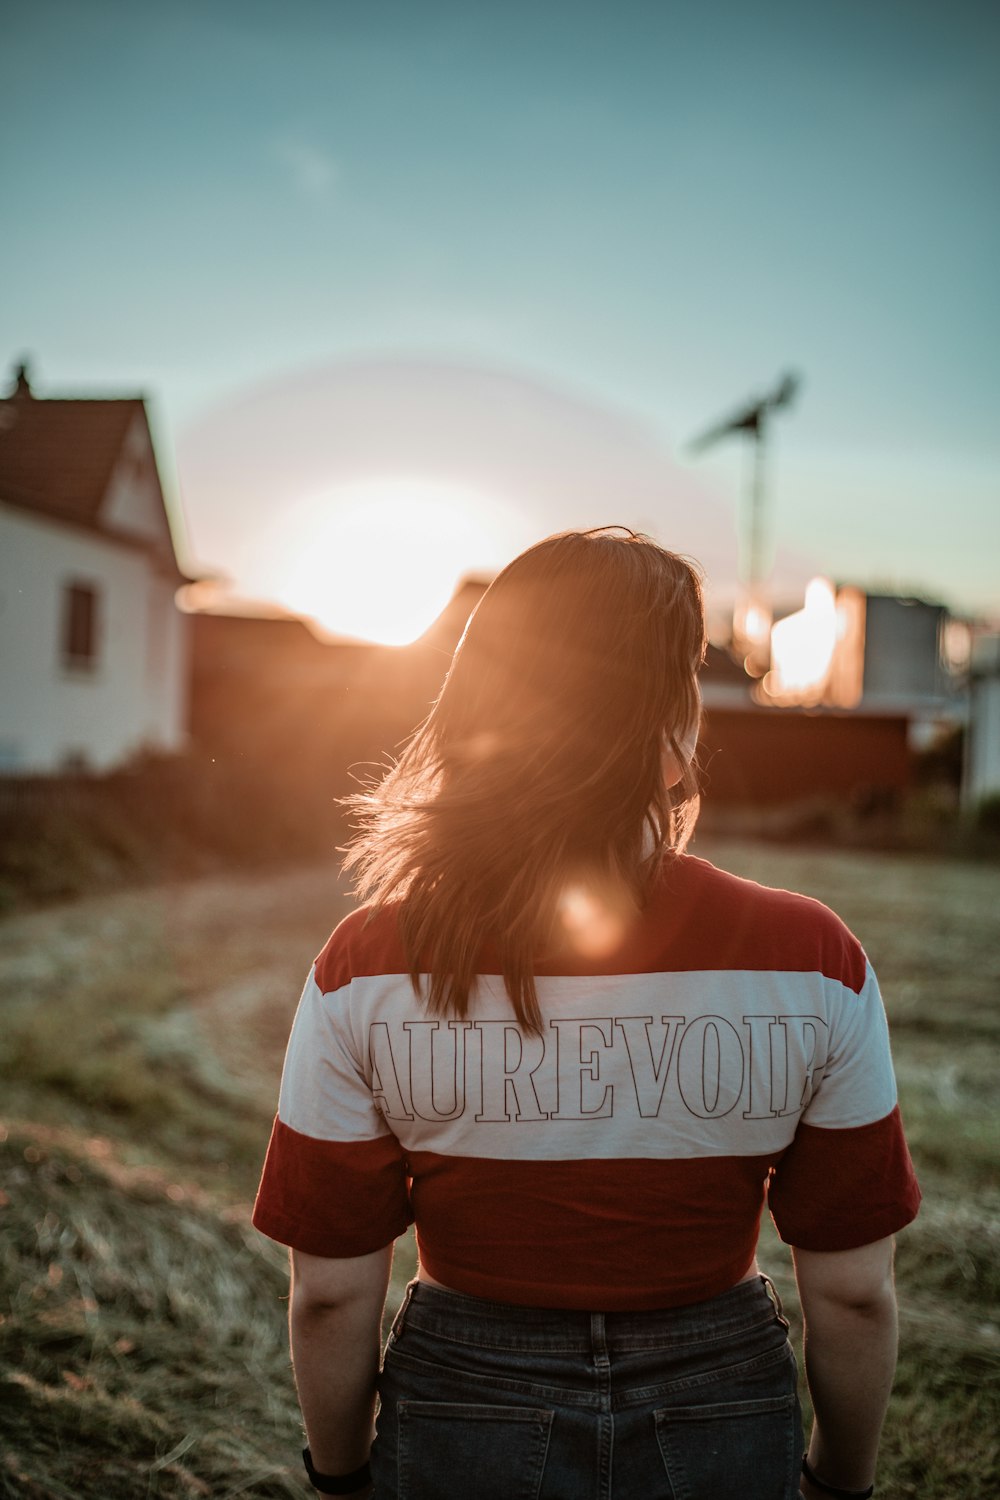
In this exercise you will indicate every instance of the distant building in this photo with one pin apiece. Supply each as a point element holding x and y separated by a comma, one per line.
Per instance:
<point>903,652</point>
<point>858,684</point>
<point>93,661</point>
<point>267,687</point>
<point>982,759</point>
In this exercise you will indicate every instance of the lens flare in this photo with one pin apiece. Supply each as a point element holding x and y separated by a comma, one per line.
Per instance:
<point>593,925</point>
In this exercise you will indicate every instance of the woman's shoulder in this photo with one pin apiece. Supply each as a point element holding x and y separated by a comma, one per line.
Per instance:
<point>708,881</point>
<point>367,942</point>
<point>728,921</point>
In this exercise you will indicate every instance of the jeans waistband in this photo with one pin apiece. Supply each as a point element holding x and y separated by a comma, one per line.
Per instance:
<point>473,1320</point>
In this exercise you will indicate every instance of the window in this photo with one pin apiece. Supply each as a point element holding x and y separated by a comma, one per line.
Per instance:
<point>79,626</point>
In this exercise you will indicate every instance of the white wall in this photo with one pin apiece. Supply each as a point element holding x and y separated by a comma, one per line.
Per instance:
<point>983,756</point>
<point>136,693</point>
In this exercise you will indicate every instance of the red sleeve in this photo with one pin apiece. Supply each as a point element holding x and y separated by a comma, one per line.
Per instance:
<point>838,1189</point>
<point>332,1198</point>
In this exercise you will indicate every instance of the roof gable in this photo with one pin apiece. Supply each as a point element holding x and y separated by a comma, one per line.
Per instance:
<point>79,461</point>
<point>133,502</point>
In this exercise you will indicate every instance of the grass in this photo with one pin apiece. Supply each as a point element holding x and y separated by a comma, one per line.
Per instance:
<point>134,1332</point>
<point>142,1337</point>
<point>932,929</point>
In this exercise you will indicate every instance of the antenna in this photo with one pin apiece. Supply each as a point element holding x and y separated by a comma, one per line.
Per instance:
<point>752,420</point>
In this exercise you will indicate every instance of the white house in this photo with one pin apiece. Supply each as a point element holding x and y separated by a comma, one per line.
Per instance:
<point>93,656</point>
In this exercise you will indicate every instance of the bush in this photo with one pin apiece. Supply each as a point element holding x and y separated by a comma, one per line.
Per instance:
<point>986,815</point>
<point>164,816</point>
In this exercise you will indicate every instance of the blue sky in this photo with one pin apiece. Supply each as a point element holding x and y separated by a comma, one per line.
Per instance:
<point>657,207</point>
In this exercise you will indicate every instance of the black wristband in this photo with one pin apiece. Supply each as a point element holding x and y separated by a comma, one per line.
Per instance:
<point>831,1489</point>
<point>336,1484</point>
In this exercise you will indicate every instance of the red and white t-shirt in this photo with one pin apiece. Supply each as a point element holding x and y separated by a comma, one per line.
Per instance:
<point>732,1049</point>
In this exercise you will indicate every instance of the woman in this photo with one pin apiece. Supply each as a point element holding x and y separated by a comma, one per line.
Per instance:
<point>581,1060</point>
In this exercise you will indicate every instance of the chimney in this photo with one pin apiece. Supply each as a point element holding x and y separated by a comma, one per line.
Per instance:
<point>22,388</point>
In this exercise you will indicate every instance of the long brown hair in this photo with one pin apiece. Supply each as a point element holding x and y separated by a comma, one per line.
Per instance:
<point>542,759</point>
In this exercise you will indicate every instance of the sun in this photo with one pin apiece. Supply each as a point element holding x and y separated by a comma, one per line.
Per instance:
<point>378,560</point>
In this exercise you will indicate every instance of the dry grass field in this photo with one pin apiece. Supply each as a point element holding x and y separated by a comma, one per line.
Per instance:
<point>142,1344</point>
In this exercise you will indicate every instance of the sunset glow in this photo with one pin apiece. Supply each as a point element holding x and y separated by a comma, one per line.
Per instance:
<point>378,560</point>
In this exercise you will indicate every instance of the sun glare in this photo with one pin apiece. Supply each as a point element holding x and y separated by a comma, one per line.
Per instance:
<point>803,646</point>
<point>379,560</point>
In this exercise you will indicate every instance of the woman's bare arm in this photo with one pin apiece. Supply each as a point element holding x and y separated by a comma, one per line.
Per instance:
<point>849,1308</point>
<point>334,1322</point>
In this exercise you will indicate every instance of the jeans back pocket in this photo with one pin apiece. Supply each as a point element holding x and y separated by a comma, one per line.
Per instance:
<point>732,1450</point>
<point>450,1448</point>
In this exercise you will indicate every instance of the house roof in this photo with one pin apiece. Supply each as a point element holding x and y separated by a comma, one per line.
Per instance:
<point>57,455</point>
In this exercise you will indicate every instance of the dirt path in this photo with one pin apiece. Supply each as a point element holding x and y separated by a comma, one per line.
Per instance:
<point>230,951</point>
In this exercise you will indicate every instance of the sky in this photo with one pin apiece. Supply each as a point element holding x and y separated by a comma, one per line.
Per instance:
<point>527,249</point>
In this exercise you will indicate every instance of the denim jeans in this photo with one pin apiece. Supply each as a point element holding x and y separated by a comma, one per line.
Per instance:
<point>483,1401</point>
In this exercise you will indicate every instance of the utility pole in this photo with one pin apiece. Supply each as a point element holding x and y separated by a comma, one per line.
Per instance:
<point>752,622</point>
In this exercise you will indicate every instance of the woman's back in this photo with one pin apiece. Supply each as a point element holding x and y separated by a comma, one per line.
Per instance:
<point>619,1158</point>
